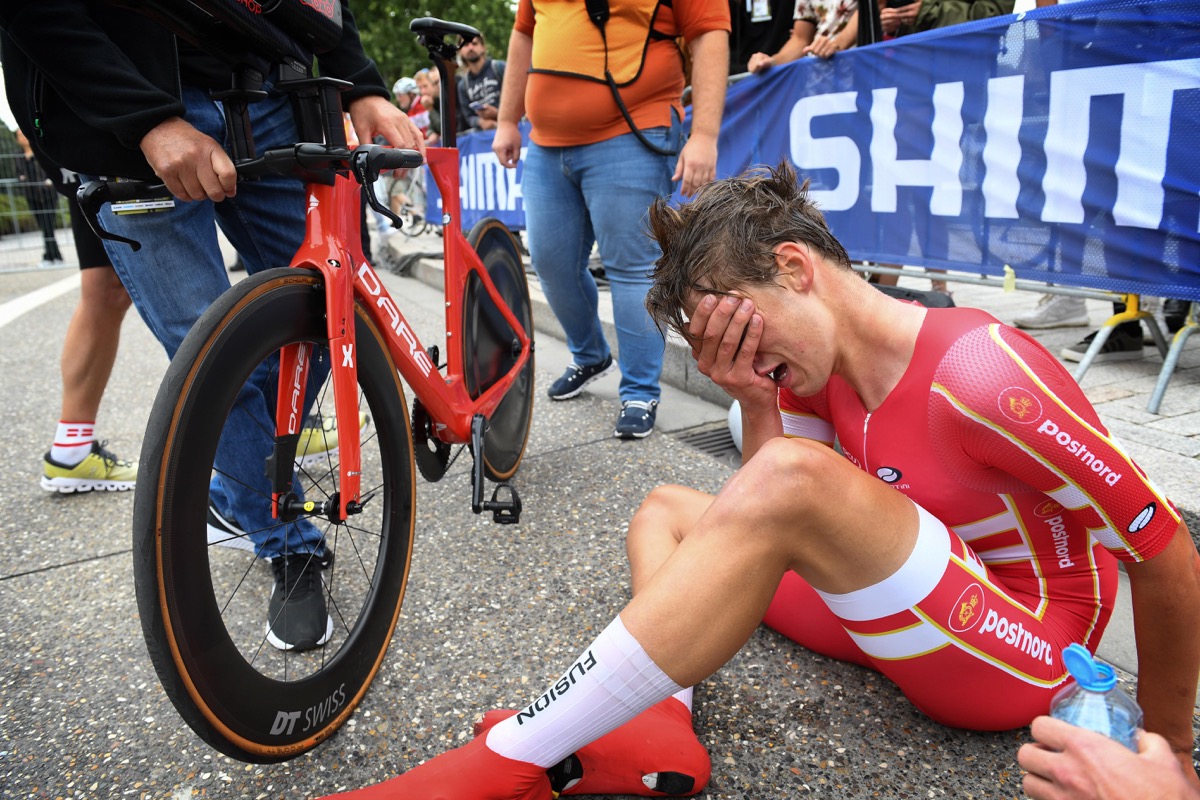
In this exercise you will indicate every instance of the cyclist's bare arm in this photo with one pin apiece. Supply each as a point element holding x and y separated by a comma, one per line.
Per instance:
<point>507,142</point>
<point>1166,606</point>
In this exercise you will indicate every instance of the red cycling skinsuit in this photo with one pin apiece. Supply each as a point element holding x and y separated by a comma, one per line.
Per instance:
<point>1028,500</point>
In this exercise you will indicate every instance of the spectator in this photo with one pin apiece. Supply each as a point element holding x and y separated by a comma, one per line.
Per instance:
<point>478,87</point>
<point>408,97</point>
<point>143,108</point>
<point>599,155</point>
<point>1054,310</point>
<point>42,200</point>
<point>942,13</point>
<point>1126,341</point>
<point>898,18</point>
<point>429,83</point>
<point>819,30</point>
<point>757,26</point>
<point>76,461</point>
<point>404,189</point>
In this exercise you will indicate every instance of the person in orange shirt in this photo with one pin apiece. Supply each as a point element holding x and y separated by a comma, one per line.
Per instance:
<point>606,140</point>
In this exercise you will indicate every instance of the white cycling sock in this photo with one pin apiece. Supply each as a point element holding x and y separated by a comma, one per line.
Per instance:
<point>609,684</point>
<point>685,696</point>
<point>72,442</point>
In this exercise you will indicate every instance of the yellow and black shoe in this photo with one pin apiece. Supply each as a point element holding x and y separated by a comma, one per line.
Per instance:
<point>319,439</point>
<point>100,471</point>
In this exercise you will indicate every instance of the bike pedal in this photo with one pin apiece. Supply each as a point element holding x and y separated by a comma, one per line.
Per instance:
<point>505,512</point>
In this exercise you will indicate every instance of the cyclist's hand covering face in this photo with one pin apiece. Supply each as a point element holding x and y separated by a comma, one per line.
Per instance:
<point>192,165</point>
<point>375,116</point>
<point>725,332</point>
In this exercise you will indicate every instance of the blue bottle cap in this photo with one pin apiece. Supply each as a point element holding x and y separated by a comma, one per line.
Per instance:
<point>1087,672</point>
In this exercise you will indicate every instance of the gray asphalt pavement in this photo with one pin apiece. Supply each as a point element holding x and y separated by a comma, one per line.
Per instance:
<point>491,615</point>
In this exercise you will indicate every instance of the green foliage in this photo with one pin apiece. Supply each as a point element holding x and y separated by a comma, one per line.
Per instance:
<point>383,25</point>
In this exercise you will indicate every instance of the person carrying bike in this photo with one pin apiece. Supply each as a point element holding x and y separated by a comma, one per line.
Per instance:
<point>143,108</point>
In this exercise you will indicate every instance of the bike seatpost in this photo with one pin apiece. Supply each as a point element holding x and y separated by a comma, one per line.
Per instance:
<point>431,33</point>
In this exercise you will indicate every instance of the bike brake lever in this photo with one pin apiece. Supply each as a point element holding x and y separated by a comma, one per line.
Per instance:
<point>94,194</point>
<point>368,161</point>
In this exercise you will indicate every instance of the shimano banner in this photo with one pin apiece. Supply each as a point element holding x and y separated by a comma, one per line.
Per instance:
<point>1064,142</point>
<point>486,188</point>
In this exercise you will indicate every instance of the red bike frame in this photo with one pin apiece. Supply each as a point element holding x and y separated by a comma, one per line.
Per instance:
<point>333,247</point>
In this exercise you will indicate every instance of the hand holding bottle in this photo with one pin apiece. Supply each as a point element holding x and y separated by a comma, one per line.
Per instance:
<point>1092,747</point>
<point>1067,762</point>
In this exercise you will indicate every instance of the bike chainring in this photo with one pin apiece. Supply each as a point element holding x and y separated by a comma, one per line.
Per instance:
<point>431,453</point>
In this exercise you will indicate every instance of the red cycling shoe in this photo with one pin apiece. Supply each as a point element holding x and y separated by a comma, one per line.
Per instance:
<point>655,754</point>
<point>470,772</point>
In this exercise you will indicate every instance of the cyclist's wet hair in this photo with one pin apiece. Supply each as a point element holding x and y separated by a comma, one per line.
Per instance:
<point>724,239</point>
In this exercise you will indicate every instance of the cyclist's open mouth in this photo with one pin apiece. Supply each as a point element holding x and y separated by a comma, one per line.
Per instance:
<point>778,373</point>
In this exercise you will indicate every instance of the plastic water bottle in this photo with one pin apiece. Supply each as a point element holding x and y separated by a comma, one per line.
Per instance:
<point>1094,701</point>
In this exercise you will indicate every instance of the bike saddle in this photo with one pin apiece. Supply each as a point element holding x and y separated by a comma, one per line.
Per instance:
<point>439,27</point>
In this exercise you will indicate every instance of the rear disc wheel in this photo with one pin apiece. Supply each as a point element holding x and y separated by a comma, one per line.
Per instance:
<point>491,347</point>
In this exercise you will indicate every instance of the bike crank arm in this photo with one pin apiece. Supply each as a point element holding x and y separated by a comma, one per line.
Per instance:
<point>505,512</point>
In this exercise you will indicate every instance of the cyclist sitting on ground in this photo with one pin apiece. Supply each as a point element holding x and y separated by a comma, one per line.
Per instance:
<point>969,533</point>
<point>148,99</point>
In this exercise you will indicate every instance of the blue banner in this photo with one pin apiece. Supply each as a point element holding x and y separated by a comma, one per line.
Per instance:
<point>1062,142</point>
<point>486,188</point>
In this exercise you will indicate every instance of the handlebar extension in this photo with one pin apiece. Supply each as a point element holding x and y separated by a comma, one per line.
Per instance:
<point>366,163</point>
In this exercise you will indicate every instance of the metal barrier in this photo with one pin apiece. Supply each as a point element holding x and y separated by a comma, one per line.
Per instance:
<point>29,217</point>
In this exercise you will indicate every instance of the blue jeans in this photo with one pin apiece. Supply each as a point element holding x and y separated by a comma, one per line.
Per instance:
<point>179,272</point>
<point>601,192</point>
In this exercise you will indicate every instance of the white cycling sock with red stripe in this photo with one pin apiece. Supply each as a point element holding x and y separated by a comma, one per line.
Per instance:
<point>72,442</point>
<point>611,683</point>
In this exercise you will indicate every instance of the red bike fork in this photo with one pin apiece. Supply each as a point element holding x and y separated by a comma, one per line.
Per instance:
<point>329,207</point>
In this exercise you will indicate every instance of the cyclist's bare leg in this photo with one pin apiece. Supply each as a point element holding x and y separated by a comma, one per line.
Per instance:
<point>837,527</point>
<point>662,521</point>
<point>757,528</point>
<point>659,746</point>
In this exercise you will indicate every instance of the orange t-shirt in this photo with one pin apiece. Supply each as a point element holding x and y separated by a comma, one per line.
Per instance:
<point>566,111</point>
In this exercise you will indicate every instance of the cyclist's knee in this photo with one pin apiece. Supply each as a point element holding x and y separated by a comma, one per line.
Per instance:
<point>781,492</point>
<point>666,508</point>
<point>809,467</point>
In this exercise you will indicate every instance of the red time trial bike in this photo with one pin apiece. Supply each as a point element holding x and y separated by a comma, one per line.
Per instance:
<point>327,319</point>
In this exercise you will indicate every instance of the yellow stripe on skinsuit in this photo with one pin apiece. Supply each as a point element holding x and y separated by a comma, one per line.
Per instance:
<point>1067,493</point>
<point>994,333</point>
<point>996,662</point>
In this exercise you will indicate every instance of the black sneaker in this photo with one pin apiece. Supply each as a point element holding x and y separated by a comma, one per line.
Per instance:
<point>576,378</point>
<point>296,616</point>
<point>223,532</point>
<point>1175,314</point>
<point>636,420</point>
<point>1119,346</point>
